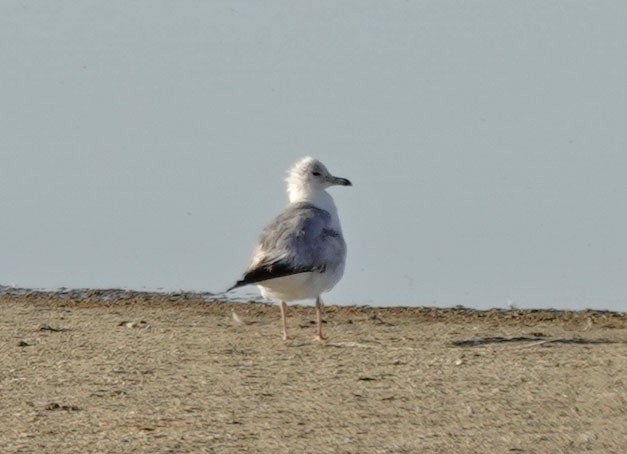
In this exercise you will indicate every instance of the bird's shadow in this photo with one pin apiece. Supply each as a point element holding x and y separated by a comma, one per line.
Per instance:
<point>534,340</point>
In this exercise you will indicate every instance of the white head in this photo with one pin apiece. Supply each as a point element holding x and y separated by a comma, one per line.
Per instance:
<point>308,177</point>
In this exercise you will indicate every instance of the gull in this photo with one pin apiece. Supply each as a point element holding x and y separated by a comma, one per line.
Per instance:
<point>301,253</point>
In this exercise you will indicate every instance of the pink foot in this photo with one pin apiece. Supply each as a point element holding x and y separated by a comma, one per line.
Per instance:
<point>319,337</point>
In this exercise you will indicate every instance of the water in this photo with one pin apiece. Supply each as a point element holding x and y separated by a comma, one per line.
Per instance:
<point>143,146</point>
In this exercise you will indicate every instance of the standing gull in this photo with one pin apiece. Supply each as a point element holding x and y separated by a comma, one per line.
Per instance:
<point>301,252</point>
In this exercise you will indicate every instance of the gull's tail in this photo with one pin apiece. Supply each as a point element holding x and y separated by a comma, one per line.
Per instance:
<point>265,272</point>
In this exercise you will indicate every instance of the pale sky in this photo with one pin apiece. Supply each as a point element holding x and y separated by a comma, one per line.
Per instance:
<point>144,144</point>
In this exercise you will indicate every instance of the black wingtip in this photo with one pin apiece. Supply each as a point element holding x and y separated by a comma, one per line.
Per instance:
<point>270,271</point>
<point>236,285</point>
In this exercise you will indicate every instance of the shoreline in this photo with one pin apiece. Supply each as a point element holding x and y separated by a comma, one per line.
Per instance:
<point>89,297</point>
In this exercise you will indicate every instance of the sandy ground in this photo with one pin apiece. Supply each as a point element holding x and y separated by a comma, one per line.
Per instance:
<point>157,373</point>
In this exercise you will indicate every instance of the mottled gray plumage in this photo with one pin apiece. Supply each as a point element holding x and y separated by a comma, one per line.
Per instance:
<point>298,240</point>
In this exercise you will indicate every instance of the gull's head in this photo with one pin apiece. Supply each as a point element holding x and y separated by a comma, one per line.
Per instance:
<point>308,176</point>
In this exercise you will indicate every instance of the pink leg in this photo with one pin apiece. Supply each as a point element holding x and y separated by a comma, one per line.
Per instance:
<point>283,307</point>
<point>319,336</point>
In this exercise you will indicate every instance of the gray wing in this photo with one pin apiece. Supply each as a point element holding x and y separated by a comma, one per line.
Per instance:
<point>298,240</point>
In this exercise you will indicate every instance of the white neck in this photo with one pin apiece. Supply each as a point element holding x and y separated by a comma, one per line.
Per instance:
<point>318,198</point>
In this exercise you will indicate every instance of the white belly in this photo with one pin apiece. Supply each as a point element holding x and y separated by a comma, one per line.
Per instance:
<point>300,286</point>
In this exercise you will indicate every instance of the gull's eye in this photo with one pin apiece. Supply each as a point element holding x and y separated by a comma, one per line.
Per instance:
<point>315,174</point>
